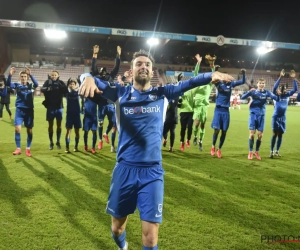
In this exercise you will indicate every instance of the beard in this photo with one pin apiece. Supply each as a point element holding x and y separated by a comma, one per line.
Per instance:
<point>141,80</point>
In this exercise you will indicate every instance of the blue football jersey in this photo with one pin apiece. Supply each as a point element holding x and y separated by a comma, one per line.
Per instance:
<point>140,116</point>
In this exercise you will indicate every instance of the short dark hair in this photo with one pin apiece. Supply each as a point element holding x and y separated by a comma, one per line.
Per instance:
<point>142,52</point>
<point>71,80</point>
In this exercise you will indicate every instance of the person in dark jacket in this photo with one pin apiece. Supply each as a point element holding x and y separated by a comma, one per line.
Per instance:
<point>170,123</point>
<point>54,90</point>
<point>5,99</point>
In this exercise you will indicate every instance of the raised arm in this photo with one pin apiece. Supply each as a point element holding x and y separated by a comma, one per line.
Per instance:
<point>8,81</point>
<point>172,91</point>
<point>116,68</point>
<point>282,73</point>
<point>28,72</point>
<point>240,82</point>
<point>295,83</point>
<point>94,60</point>
<point>211,60</point>
<point>295,88</point>
<point>197,67</point>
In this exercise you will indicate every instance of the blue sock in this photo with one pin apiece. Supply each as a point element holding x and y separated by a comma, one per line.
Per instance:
<point>273,140</point>
<point>29,140</point>
<point>222,139</point>
<point>50,137</point>
<point>113,138</point>
<point>85,138</point>
<point>251,143</point>
<point>58,133</point>
<point>279,141</point>
<point>258,142</point>
<point>150,248</point>
<point>67,142</point>
<point>120,240</point>
<point>94,139</point>
<point>18,139</point>
<point>215,137</point>
<point>100,130</point>
<point>76,141</point>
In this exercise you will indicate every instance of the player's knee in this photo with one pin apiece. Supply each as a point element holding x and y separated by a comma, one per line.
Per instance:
<point>150,237</point>
<point>18,129</point>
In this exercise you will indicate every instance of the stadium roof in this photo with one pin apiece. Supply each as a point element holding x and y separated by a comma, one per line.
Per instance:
<point>81,43</point>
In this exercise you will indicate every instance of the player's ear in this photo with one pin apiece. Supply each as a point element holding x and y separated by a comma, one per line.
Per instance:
<point>152,73</point>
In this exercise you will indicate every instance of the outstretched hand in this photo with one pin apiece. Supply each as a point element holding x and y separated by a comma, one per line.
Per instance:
<point>282,73</point>
<point>211,59</point>
<point>12,70</point>
<point>96,49</point>
<point>218,76</point>
<point>88,88</point>
<point>119,50</point>
<point>198,58</point>
<point>243,71</point>
<point>293,74</point>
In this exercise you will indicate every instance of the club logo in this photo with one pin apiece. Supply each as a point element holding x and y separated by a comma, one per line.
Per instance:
<point>153,97</point>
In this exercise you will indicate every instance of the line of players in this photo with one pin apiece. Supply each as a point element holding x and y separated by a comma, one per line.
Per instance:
<point>193,105</point>
<point>54,90</point>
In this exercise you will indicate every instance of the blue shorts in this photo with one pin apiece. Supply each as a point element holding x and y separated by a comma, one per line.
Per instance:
<point>73,120</point>
<point>141,187</point>
<point>279,123</point>
<point>24,115</point>
<point>256,122</point>
<point>221,119</point>
<point>90,122</point>
<point>109,111</point>
<point>54,114</point>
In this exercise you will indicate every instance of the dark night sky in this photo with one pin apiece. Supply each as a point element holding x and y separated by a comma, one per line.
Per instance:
<point>249,20</point>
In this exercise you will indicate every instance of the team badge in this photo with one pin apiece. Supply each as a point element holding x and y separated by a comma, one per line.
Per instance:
<point>153,97</point>
<point>160,207</point>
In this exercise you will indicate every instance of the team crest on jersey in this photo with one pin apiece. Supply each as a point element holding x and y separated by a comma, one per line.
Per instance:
<point>153,97</point>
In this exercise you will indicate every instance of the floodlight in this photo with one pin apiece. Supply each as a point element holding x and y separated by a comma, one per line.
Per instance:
<point>152,41</point>
<point>262,50</point>
<point>55,34</point>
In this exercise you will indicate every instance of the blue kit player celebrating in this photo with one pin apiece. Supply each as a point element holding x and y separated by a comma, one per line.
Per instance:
<point>221,117</point>
<point>257,115</point>
<point>24,107</point>
<point>138,176</point>
<point>73,114</point>
<point>90,123</point>
<point>279,118</point>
